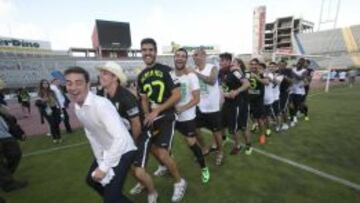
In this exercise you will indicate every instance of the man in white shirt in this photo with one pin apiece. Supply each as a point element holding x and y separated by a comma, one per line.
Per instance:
<point>112,144</point>
<point>208,114</point>
<point>297,91</point>
<point>186,108</point>
<point>60,97</point>
<point>278,78</point>
<point>268,100</point>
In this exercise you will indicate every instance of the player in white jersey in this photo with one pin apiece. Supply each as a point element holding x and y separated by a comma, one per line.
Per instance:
<point>297,90</point>
<point>208,112</point>
<point>268,98</point>
<point>186,108</point>
<point>278,78</point>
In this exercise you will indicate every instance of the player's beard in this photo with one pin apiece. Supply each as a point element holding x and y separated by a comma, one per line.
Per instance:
<point>181,67</point>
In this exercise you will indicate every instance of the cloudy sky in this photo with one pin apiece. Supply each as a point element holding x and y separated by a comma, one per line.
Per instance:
<point>227,23</point>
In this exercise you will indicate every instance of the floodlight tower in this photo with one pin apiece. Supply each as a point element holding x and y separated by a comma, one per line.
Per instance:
<point>330,18</point>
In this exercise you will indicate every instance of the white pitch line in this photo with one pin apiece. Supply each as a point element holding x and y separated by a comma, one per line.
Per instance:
<point>319,93</point>
<point>309,169</point>
<point>45,151</point>
<point>304,167</point>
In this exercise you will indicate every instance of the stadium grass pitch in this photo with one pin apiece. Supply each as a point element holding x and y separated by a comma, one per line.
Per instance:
<point>329,142</point>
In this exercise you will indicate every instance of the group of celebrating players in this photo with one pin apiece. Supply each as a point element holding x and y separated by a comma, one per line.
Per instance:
<point>188,99</point>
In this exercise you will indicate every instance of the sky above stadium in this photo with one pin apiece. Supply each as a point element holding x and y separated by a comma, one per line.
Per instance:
<point>227,23</point>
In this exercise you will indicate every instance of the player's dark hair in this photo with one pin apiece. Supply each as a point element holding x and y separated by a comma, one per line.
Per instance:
<point>263,65</point>
<point>183,50</point>
<point>149,41</point>
<point>256,60</point>
<point>78,70</point>
<point>226,56</point>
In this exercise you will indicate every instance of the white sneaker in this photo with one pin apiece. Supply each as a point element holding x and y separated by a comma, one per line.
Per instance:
<point>161,171</point>
<point>285,126</point>
<point>295,119</point>
<point>292,124</point>
<point>179,191</point>
<point>299,114</point>
<point>152,197</point>
<point>48,134</point>
<point>137,189</point>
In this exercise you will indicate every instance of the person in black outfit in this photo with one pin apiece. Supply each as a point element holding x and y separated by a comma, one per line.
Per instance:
<point>256,94</point>
<point>284,93</point>
<point>10,153</point>
<point>235,107</point>
<point>50,109</point>
<point>63,102</point>
<point>159,92</point>
<point>113,80</point>
<point>2,96</point>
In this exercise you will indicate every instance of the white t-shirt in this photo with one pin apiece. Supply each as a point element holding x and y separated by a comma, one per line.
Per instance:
<point>188,84</point>
<point>276,86</point>
<point>268,90</point>
<point>342,75</point>
<point>209,94</point>
<point>298,85</point>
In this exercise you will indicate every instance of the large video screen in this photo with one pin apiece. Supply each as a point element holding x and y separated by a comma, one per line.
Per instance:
<point>113,34</point>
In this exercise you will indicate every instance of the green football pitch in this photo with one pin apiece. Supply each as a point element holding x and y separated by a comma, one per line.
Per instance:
<point>317,161</point>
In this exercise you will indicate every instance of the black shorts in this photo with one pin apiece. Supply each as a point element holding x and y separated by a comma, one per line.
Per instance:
<point>186,128</point>
<point>25,104</point>
<point>143,144</point>
<point>269,110</point>
<point>276,107</point>
<point>257,109</point>
<point>307,89</point>
<point>162,131</point>
<point>284,101</point>
<point>235,116</point>
<point>243,115</point>
<point>211,121</point>
<point>297,99</point>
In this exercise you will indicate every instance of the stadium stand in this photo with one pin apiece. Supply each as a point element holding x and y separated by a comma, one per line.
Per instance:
<point>340,47</point>
<point>27,70</point>
<point>323,42</point>
<point>356,33</point>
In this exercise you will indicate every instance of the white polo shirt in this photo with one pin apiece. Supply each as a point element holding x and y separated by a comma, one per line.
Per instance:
<point>106,132</point>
